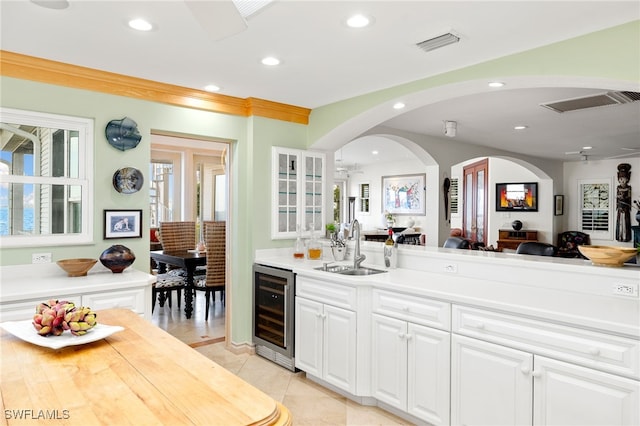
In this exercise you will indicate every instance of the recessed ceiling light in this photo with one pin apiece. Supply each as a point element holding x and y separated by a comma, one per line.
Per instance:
<point>271,61</point>
<point>140,24</point>
<point>587,147</point>
<point>374,152</point>
<point>520,127</point>
<point>496,84</point>
<point>211,88</point>
<point>398,105</point>
<point>359,21</point>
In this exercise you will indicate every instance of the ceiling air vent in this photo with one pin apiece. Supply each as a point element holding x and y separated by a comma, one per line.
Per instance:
<point>592,101</point>
<point>437,42</point>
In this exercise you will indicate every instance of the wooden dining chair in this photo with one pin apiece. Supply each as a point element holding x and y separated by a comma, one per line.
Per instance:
<point>177,236</point>
<point>163,287</point>
<point>215,276</point>
<point>174,236</point>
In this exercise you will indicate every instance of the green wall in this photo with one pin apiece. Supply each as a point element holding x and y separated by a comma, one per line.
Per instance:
<point>250,174</point>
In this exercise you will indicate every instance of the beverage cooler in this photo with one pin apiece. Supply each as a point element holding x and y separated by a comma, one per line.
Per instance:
<point>273,314</point>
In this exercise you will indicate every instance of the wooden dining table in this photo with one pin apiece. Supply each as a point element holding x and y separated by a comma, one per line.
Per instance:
<point>189,260</point>
<point>138,376</point>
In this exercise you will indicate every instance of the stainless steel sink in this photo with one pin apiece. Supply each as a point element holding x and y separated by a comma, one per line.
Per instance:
<point>349,270</point>
<point>362,271</point>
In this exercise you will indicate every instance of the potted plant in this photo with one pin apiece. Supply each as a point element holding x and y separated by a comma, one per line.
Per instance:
<point>391,220</point>
<point>331,231</point>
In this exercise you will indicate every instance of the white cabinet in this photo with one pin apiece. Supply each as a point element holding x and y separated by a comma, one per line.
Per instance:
<point>516,380</point>
<point>128,299</point>
<point>565,394</point>
<point>410,357</point>
<point>25,309</point>
<point>410,368</point>
<point>24,286</point>
<point>325,337</point>
<point>490,384</point>
<point>298,191</point>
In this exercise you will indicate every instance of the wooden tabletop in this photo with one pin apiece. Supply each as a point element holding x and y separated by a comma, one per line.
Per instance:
<point>139,376</point>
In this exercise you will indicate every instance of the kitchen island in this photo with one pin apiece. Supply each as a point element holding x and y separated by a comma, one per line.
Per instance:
<point>141,375</point>
<point>450,333</point>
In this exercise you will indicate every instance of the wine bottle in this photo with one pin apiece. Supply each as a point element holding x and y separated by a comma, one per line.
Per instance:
<point>389,248</point>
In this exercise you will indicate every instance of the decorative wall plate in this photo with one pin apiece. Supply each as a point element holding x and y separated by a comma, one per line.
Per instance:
<point>128,180</point>
<point>123,134</point>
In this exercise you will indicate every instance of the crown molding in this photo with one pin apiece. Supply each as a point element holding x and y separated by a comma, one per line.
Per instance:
<point>42,70</point>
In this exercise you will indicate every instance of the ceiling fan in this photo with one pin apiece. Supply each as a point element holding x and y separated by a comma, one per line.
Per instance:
<point>222,19</point>
<point>348,170</point>
<point>583,154</point>
<point>630,152</point>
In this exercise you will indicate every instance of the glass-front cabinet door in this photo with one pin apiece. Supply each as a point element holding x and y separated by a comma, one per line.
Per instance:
<point>298,192</point>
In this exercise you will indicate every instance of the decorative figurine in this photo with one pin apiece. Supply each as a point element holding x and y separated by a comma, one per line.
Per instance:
<point>623,203</point>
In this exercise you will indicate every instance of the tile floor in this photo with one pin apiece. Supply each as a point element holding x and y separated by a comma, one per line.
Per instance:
<point>309,403</point>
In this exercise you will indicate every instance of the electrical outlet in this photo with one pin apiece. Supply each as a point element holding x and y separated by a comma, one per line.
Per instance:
<point>626,289</point>
<point>451,268</point>
<point>41,258</point>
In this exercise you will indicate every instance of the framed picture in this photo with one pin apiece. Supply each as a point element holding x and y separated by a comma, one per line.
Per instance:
<point>404,194</point>
<point>122,224</point>
<point>517,197</point>
<point>559,203</point>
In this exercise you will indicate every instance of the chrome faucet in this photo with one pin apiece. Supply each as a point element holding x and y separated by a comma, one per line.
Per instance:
<point>357,257</point>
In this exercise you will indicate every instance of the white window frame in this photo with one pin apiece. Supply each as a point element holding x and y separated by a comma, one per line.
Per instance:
<point>597,235</point>
<point>85,129</point>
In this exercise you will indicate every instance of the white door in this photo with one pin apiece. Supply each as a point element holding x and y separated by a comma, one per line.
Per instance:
<point>490,384</point>
<point>389,361</point>
<point>340,348</point>
<point>428,374</point>
<point>308,336</point>
<point>566,394</point>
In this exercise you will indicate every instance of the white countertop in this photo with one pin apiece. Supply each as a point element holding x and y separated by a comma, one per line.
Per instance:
<point>24,282</point>
<point>570,291</point>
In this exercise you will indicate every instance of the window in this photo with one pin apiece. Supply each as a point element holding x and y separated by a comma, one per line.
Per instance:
<point>453,194</point>
<point>46,166</point>
<point>595,206</point>
<point>364,197</point>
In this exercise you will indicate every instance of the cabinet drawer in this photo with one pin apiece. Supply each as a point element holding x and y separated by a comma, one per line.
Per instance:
<point>334,294</point>
<point>25,309</point>
<point>129,299</point>
<point>416,309</point>
<point>601,351</point>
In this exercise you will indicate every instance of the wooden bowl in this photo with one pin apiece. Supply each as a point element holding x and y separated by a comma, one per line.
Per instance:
<point>76,267</point>
<point>608,255</point>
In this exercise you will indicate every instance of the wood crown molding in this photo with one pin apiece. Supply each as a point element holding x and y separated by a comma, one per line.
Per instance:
<point>41,70</point>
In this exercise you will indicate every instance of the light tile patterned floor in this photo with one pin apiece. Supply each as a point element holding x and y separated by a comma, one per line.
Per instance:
<point>309,403</point>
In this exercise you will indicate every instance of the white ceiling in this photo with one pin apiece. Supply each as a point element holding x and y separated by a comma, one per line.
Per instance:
<point>323,61</point>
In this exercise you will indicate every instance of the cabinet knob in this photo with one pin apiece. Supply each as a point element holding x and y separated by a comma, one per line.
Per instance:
<point>479,325</point>
<point>525,369</point>
<point>536,374</point>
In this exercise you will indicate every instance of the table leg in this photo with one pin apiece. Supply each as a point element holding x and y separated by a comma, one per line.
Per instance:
<point>188,294</point>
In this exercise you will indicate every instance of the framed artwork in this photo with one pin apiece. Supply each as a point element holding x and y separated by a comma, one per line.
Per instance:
<point>559,203</point>
<point>122,224</point>
<point>404,194</point>
<point>517,197</point>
